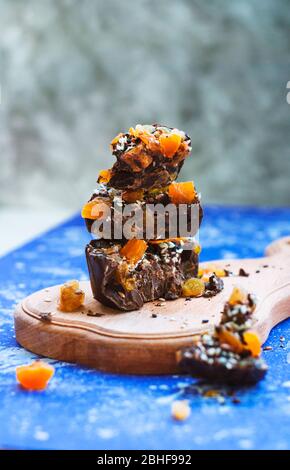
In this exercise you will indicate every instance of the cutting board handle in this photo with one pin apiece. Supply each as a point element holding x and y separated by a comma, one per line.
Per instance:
<point>279,247</point>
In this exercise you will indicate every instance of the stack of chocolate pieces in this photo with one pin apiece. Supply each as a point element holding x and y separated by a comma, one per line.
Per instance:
<point>132,263</point>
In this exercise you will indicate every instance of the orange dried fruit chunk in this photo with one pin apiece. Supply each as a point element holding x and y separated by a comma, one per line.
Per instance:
<point>94,209</point>
<point>34,376</point>
<point>253,343</point>
<point>123,277</point>
<point>169,144</point>
<point>238,296</point>
<point>182,193</point>
<point>193,287</point>
<point>211,269</point>
<point>71,296</point>
<point>227,337</point>
<point>134,250</point>
<point>104,176</point>
<point>133,196</point>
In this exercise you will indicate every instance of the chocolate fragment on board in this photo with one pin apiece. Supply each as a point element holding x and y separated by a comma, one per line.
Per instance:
<point>231,354</point>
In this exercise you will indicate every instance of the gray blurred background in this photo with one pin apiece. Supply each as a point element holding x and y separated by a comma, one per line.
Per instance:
<point>75,73</point>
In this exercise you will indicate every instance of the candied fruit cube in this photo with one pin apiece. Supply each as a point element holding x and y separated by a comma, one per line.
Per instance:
<point>193,287</point>
<point>227,337</point>
<point>94,209</point>
<point>71,297</point>
<point>34,376</point>
<point>253,343</point>
<point>104,176</point>
<point>182,193</point>
<point>238,296</point>
<point>211,269</point>
<point>169,144</point>
<point>134,250</point>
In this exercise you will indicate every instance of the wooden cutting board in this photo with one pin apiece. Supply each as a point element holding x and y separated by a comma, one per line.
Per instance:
<point>146,341</point>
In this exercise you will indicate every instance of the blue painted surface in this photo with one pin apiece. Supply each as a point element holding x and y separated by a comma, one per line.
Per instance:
<point>83,408</point>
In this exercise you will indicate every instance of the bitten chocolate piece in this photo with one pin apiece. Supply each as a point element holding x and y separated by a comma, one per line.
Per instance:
<point>231,353</point>
<point>148,156</point>
<point>126,286</point>
<point>216,362</point>
<point>185,216</point>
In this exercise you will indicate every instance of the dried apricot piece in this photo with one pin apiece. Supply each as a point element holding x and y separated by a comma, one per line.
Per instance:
<point>169,144</point>
<point>227,337</point>
<point>182,193</point>
<point>124,278</point>
<point>238,296</point>
<point>253,343</point>
<point>71,296</point>
<point>104,176</point>
<point>94,209</point>
<point>211,269</point>
<point>193,287</point>
<point>134,250</point>
<point>34,376</point>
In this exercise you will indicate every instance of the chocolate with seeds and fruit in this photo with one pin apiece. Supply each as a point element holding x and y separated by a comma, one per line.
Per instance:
<point>159,273</point>
<point>225,356</point>
<point>148,156</point>
<point>118,202</point>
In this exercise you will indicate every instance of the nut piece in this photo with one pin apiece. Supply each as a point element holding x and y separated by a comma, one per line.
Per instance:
<point>180,410</point>
<point>71,297</point>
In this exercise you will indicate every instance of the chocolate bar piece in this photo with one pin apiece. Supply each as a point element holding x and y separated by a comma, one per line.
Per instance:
<point>185,217</point>
<point>148,156</point>
<point>226,356</point>
<point>216,362</point>
<point>159,273</point>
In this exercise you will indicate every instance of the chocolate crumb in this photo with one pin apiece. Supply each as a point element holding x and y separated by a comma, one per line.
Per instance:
<point>228,273</point>
<point>243,273</point>
<point>265,266</point>
<point>267,348</point>
<point>45,316</point>
<point>258,271</point>
<point>154,315</point>
<point>236,400</point>
<point>282,339</point>
<point>188,299</point>
<point>205,321</point>
<point>90,313</point>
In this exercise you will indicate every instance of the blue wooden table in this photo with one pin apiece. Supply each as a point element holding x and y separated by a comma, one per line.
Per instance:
<point>86,409</point>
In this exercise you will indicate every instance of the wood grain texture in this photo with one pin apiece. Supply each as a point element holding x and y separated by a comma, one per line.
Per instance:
<point>137,343</point>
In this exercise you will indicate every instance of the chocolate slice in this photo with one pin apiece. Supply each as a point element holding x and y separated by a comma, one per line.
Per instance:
<point>211,360</point>
<point>160,273</point>
<point>145,159</point>
<point>179,219</point>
